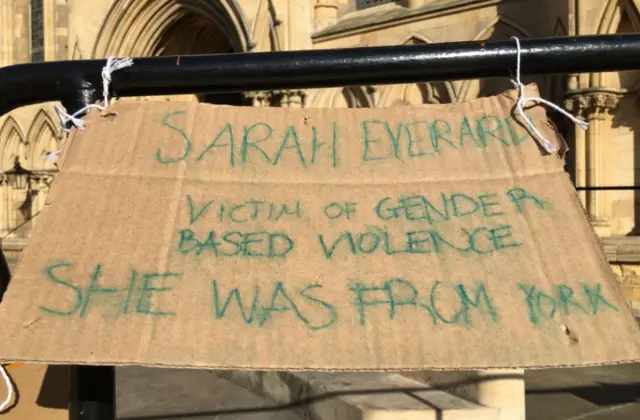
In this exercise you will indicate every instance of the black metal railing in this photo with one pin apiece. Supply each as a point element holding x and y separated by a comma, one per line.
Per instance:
<point>78,82</point>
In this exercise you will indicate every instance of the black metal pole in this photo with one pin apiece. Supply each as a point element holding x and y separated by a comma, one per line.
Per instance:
<point>65,80</point>
<point>92,393</point>
<point>610,188</point>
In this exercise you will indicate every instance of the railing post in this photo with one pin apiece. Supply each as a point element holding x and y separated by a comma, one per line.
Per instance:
<point>92,393</point>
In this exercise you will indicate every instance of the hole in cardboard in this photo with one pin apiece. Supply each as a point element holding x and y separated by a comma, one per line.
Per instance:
<point>573,338</point>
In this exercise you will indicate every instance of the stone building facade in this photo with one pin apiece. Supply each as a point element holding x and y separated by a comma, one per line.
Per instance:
<point>608,153</point>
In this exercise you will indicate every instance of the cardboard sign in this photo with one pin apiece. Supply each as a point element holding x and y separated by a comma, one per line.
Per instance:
<point>184,234</point>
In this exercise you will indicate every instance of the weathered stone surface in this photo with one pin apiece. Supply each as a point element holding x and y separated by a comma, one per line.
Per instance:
<point>359,396</point>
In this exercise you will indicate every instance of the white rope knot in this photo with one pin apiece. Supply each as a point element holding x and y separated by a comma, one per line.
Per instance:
<point>52,156</point>
<point>523,100</point>
<point>10,391</point>
<point>65,118</point>
<point>112,65</point>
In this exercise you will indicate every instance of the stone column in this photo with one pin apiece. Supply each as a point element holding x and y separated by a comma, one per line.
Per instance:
<point>4,208</point>
<point>413,4</point>
<point>591,151</point>
<point>296,23</point>
<point>295,34</point>
<point>507,395</point>
<point>325,14</point>
<point>21,36</point>
<point>41,185</point>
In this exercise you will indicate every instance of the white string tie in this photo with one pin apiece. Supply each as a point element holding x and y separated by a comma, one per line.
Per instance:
<point>523,100</point>
<point>52,156</point>
<point>112,65</point>
<point>10,391</point>
<point>66,118</point>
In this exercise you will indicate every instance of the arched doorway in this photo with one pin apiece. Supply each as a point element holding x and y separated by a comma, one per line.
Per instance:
<point>145,28</point>
<point>195,34</point>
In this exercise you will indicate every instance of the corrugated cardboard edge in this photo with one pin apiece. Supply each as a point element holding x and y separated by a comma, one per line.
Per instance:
<point>325,369</point>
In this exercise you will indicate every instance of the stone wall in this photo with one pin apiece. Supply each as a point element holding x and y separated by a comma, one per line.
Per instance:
<point>629,277</point>
<point>623,254</point>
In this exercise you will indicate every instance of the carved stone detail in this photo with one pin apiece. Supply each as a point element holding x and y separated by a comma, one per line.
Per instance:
<point>292,98</point>
<point>259,98</point>
<point>593,104</point>
<point>278,98</point>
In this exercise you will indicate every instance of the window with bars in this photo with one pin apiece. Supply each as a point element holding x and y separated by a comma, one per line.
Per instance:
<point>365,4</point>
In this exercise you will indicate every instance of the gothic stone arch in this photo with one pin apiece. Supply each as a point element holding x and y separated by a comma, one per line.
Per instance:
<point>134,28</point>
<point>618,16</point>
<point>142,28</point>
<point>43,137</point>
<point>12,143</point>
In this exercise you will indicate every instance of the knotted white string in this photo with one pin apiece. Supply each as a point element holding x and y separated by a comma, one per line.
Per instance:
<point>522,101</point>
<point>66,118</point>
<point>112,65</point>
<point>52,156</point>
<point>10,391</point>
